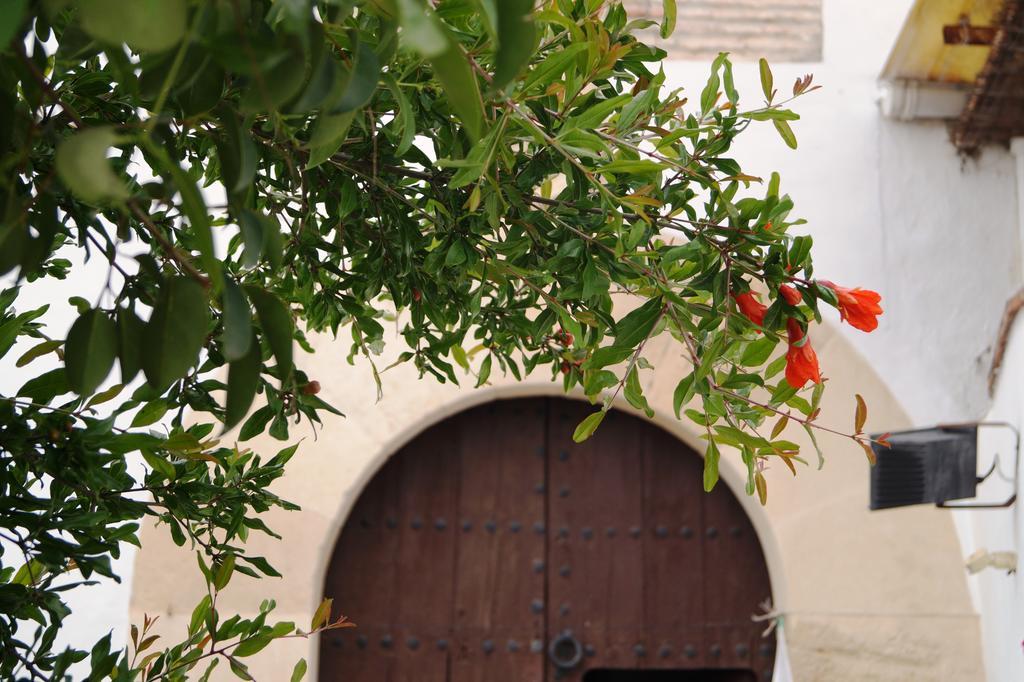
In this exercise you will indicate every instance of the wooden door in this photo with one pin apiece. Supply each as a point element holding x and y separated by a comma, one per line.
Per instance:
<point>492,539</point>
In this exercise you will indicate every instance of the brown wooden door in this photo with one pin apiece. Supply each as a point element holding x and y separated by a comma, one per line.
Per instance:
<point>492,535</point>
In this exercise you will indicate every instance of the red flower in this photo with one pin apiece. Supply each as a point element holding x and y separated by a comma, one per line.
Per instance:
<point>791,295</point>
<point>801,360</point>
<point>858,306</point>
<point>751,308</point>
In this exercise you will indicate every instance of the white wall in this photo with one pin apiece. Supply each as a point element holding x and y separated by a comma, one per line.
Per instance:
<point>891,207</point>
<point>999,595</point>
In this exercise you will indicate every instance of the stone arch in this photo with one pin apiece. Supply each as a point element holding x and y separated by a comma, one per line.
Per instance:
<point>889,586</point>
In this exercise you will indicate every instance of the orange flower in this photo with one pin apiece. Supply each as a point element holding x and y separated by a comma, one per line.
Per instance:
<point>791,295</point>
<point>801,360</point>
<point>751,308</point>
<point>858,306</point>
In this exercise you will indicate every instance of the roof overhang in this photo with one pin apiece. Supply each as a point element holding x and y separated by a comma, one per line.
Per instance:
<point>923,55</point>
<point>962,61</point>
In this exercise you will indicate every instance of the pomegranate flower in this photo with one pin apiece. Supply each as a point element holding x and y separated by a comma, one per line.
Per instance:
<point>858,306</point>
<point>801,360</point>
<point>790,294</point>
<point>751,308</point>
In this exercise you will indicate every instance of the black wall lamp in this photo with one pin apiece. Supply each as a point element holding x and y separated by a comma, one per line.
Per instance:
<point>934,466</point>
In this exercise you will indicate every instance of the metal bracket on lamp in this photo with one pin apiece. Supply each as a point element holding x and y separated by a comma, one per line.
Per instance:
<point>995,462</point>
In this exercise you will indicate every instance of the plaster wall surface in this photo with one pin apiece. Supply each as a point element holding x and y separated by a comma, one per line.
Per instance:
<point>891,207</point>
<point>862,595</point>
<point>999,594</point>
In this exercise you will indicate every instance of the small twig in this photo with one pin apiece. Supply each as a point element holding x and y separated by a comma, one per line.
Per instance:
<point>46,85</point>
<point>168,248</point>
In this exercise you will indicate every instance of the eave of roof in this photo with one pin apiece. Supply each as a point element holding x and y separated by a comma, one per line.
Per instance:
<point>921,53</point>
<point>994,113</point>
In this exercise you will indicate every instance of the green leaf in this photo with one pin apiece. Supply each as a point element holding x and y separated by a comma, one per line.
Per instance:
<point>632,166</point>
<point>237,318</point>
<point>38,350</point>
<point>29,573</point>
<point>224,572</point>
<point>275,83</point>
<point>146,25</point>
<point>634,392</point>
<point>256,422</point>
<point>261,236</point>
<point>100,659</point>
<point>299,671</point>
<point>82,165</point>
<point>711,457</point>
<point>238,155</point>
<point>329,134</point>
<point>553,65</point>
<point>89,351</point>
<point>14,240</point>
<point>461,87</point>
<point>129,351</point>
<point>485,371</point>
<point>362,82</point>
<point>593,115</point>
<point>46,386</point>
<point>517,40</point>
<point>325,85</point>
<point>322,614</point>
<point>475,163</point>
<point>686,251</point>
<point>243,381</point>
<point>709,94</point>
<point>595,283</point>
<point>10,20</point>
<point>459,355</point>
<point>637,325</point>
<point>195,209</point>
<point>586,428</point>
<point>405,118</point>
<point>151,412</point>
<point>240,670</point>
<point>608,355</point>
<point>785,132</point>
<point>757,352</point>
<point>425,33</point>
<point>727,83</point>
<point>767,84</point>
<point>773,115</point>
<point>199,614</point>
<point>104,396</point>
<point>420,30</point>
<point>175,333</point>
<point>685,390</point>
<point>252,645</point>
<point>276,321</point>
<point>668,18</point>
<point>775,366</point>
<point>160,465</point>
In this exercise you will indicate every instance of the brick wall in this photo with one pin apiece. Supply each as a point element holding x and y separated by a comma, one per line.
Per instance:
<point>780,30</point>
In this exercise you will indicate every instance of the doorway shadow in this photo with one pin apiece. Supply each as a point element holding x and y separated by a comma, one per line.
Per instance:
<point>707,675</point>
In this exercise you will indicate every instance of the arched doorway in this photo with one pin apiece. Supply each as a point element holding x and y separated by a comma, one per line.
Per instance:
<point>493,548</point>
